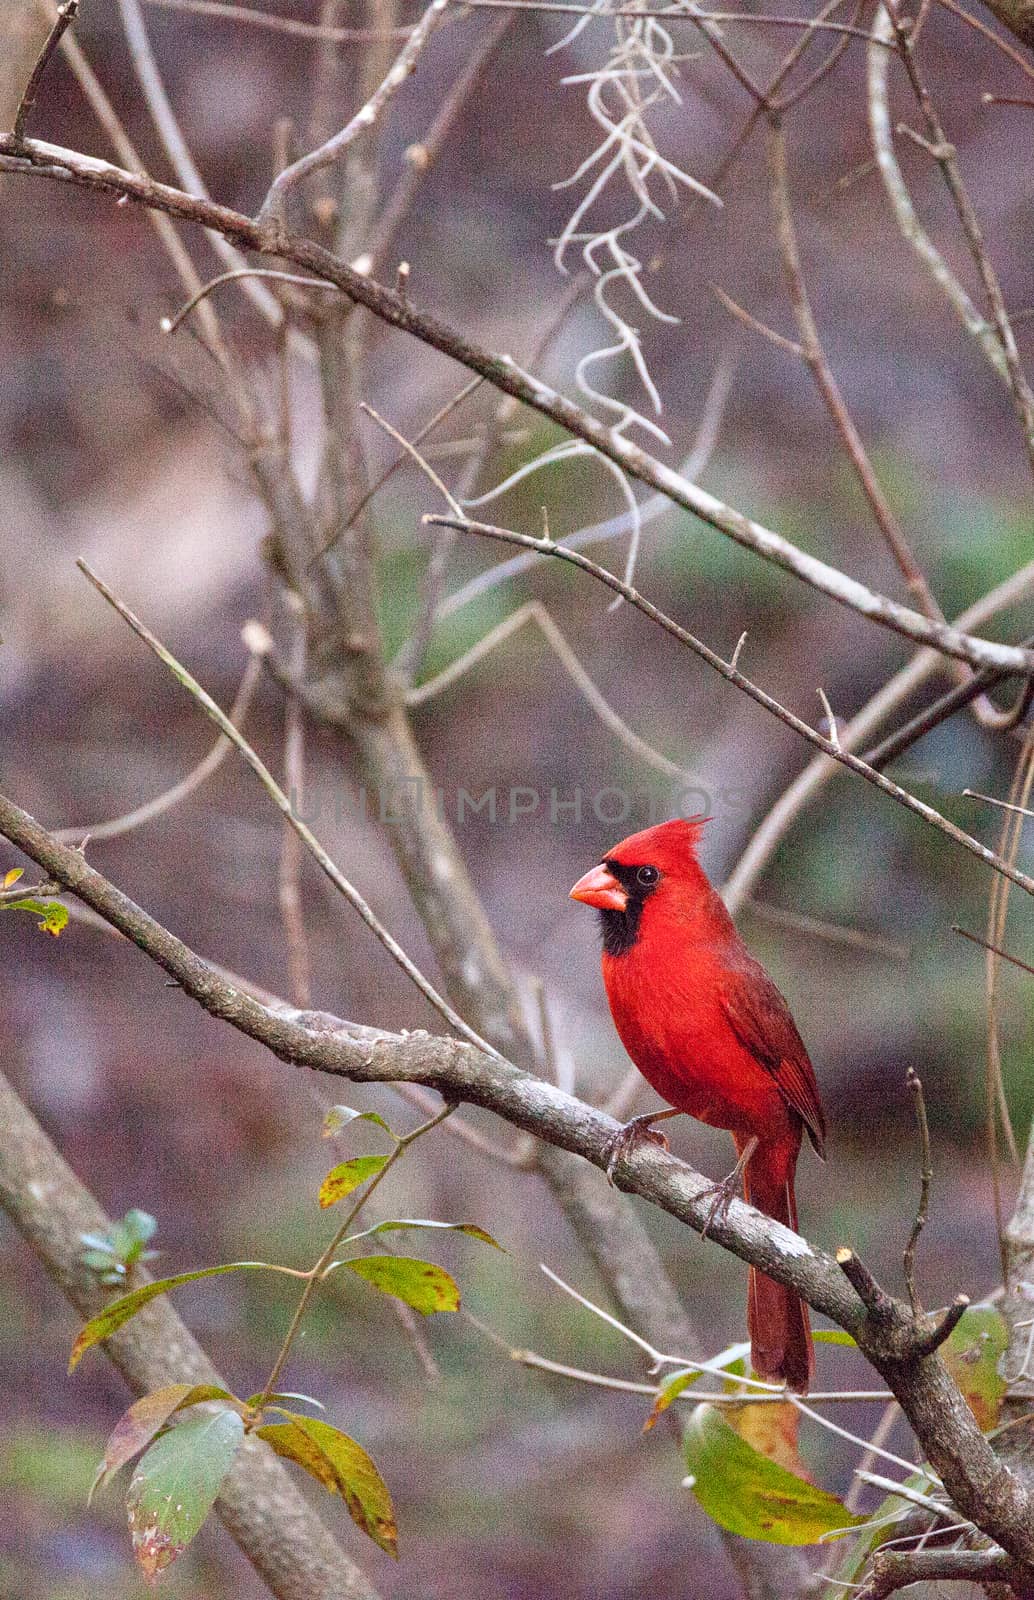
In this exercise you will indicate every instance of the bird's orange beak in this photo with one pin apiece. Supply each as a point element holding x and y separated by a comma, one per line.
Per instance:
<point>601,889</point>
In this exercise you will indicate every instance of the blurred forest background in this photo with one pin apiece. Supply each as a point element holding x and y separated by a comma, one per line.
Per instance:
<point>112,446</point>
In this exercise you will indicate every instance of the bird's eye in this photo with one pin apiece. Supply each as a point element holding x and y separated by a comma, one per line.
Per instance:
<point>647,876</point>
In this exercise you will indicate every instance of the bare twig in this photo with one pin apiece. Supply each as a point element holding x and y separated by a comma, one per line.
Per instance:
<point>115,827</point>
<point>997,1105</point>
<point>316,160</point>
<point>810,782</point>
<point>834,932</point>
<point>66,15</point>
<point>70,166</point>
<point>421,157</point>
<point>915,1088</point>
<point>535,611</point>
<point>232,12</point>
<point>756,325</point>
<point>944,154</point>
<point>177,149</point>
<point>818,364</point>
<point>667,14</point>
<point>945,706</point>
<point>734,676</point>
<point>170,324</point>
<point>1005,955</point>
<point>943,1328</point>
<point>283,805</point>
<point>1003,805</point>
<point>1014,55</point>
<point>292,913</point>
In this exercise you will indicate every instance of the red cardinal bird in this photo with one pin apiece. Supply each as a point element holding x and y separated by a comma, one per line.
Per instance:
<point>709,1030</point>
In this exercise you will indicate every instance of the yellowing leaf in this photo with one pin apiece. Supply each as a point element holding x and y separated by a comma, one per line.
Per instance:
<point>118,1312</point>
<point>343,1467</point>
<point>669,1391</point>
<point>972,1353</point>
<point>393,1224</point>
<point>53,914</point>
<point>771,1427</point>
<point>13,876</point>
<point>747,1493</point>
<point>420,1284</point>
<point>138,1426</point>
<point>339,1117</point>
<point>341,1180</point>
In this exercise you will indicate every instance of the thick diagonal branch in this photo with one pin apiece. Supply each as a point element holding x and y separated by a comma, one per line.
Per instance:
<point>979,1483</point>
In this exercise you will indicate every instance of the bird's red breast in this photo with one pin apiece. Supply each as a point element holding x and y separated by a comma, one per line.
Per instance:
<point>699,1016</point>
<point>708,1028</point>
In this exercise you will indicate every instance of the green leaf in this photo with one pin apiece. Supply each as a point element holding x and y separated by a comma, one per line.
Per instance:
<point>669,1391</point>
<point>971,1354</point>
<point>341,1180</point>
<point>175,1485</point>
<point>747,1493</point>
<point>832,1336</point>
<point>343,1467</point>
<point>53,914</point>
<point>420,1284</point>
<point>395,1223</point>
<point>138,1426</point>
<point>339,1117</point>
<point>119,1312</point>
<point>284,1394</point>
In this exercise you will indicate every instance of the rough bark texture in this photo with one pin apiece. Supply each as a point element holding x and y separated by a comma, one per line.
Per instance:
<point>978,1480</point>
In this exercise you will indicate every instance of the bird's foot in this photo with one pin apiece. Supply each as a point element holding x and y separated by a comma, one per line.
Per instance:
<point>725,1191</point>
<point>628,1139</point>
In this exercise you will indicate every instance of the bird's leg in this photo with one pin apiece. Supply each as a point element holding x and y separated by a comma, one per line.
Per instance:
<point>727,1188</point>
<point>634,1133</point>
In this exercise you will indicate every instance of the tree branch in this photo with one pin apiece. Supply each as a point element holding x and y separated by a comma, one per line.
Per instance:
<point>259,1504</point>
<point>68,166</point>
<point>981,1486</point>
<point>831,747</point>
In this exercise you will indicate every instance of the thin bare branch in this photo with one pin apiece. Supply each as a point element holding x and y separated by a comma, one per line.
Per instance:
<point>59,165</point>
<point>977,1481</point>
<point>284,806</point>
<point>66,15</point>
<point>915,1089</point>
<point>276,24</point>
<point>944,153</point>
<point>421,157</point>
<point>115,827</point>
<point>975,938</point>
<point>365,118</point>
<point>534,611</point>
<point>818,364</point>
<point>734,676</point>
<point>808,784</point>
<point>675,13</point>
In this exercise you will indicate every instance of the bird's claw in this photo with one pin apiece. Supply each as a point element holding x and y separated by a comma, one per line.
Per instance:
<point>724,1193</point>
<point>627,1139</point>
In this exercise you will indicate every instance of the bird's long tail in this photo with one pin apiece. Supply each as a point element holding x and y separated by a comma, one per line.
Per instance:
<point>781,1348</point>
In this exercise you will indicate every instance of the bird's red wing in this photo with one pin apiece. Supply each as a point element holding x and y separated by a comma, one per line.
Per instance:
<point>761,1021</point>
